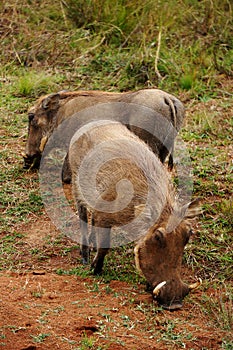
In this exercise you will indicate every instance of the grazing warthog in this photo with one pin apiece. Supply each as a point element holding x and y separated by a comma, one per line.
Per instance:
<point>51,110</point>
<point>122,183</point>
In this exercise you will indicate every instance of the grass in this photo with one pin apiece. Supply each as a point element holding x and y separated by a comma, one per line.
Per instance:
<point>18,198</point>
<point>183,47</point>
<point>31,83</point>
<point>172,337</point>
<point>119,265</point>
<point>83,41</point>
<point>219,307</point>
<point>87,343</point>
<point>40,338</point>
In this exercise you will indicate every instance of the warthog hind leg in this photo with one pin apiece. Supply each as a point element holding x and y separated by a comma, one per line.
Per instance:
<point>92,236</point>
<point>103,245</point>
<point>82,211</point>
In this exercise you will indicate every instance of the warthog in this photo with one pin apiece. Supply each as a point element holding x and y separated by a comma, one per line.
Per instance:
<point>51,110</point>
<point>122,183</point>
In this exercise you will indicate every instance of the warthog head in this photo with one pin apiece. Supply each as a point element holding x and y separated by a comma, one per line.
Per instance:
<point>40,126</point>
<point>159,257</point>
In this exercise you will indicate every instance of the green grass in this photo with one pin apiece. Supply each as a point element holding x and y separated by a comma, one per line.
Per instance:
<point>179,45</point>
<point>19,197</point>
<point>219,307</point>
<point>119,265</point>
<point>31,84</point>
<point>87,343</point>
<point>40,338</point>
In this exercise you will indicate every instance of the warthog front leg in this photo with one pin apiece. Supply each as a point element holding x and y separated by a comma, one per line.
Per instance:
<point>92,236</point>
<point>103,245</point>
<point>82,212</point>
<point>66,171</point>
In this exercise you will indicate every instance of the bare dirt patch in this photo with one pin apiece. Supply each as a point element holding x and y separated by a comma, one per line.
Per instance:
<point>40,309</point>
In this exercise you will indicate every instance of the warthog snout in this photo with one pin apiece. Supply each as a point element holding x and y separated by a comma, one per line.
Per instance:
<point>31,162</point>
<point>170,295</point>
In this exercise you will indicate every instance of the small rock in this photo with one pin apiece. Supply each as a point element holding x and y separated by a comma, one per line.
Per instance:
<point>39,272</point>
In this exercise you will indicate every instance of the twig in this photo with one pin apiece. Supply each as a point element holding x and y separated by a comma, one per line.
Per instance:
<point>157,55</point>
<point>17,56</point>
<point>225,92</point>
<point>128,37</point>
<point>63,12</point>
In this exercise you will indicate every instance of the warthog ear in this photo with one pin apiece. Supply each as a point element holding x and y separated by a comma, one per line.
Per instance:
<point>159,236</point>
<point>51,101</point>
<point>192,209</point>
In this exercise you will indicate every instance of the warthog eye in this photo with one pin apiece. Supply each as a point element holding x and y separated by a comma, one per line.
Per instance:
<point>31,116</point>
<point>187,235</point>
<point>160,239</point>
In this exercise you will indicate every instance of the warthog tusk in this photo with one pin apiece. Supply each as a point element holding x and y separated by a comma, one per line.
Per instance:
<point>158,287</point>
<point>24,155</point>
<point>43,143</point>
<point>195,285</point>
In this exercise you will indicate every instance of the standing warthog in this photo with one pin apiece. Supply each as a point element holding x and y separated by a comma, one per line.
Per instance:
<point>122,183</point>
<point>51,110</point>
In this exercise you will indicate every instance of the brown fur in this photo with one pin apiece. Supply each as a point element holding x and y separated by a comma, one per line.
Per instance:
<point>115,170</point>
<point>51,110</point>
<point>164,228</point>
